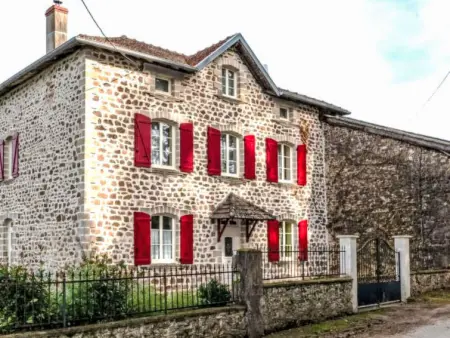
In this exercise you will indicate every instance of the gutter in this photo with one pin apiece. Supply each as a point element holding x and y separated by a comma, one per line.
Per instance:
<point>313,102</point>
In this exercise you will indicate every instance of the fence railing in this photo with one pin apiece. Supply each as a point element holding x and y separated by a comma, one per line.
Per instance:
<point>430,257</point>
<point>46,300</point>
<point>321,261</point>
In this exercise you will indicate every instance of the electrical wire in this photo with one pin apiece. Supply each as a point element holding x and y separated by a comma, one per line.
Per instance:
<point>435,91</point>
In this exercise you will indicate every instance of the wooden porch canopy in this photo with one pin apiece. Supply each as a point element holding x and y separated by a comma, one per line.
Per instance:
<point>237,208</point>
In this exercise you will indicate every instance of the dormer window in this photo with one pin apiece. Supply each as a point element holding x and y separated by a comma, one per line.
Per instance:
<point>284,113</point>
<point>229,80</point>
<point>162,85</point>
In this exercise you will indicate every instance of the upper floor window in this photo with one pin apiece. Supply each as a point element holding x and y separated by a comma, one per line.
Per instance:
<point>163,239</point>
<point>162,85</point>
<point>229,154</point>
<point>229,80</point>
<point>163,144</point>
<point>284,163</point>
<point>286,232</point>
<point>8,159</point>
<point>284,113</point>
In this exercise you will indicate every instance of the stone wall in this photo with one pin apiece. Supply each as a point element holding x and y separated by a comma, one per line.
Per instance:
<point>424,281</point>
<point>207,323</point>
<point>386,181</point>
<point>115,188</point>
<point>292,303</point>
<point>43,203</point>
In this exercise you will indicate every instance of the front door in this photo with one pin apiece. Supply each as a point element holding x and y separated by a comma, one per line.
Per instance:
<point>231,242</point>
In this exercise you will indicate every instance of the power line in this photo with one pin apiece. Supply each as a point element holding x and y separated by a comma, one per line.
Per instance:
<point>435,91</point>
<point>106,37</point>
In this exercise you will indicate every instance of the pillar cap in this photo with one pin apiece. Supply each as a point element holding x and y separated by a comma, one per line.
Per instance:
<point>347,236</point>
<point>402,236</point>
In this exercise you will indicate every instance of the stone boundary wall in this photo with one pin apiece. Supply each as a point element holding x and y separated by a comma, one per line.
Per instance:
<point>429,280</point>
<point>288,303</point>
<point>203,323</point>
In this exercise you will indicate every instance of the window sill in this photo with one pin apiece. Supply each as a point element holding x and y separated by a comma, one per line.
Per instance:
<point>164,171</point>
<point>285,184</point>
<point>230,99</point>
<point>284,122</point>
<point>7,180</point>
<point>165,97</point>
<point>233,180</point>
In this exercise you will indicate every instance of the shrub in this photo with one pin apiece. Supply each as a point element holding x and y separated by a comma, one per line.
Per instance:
<point>214,293</point>
<point>97,290</point>
<point>24,297</point>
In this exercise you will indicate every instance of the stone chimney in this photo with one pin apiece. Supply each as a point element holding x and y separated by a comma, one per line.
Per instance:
<point>56,25</point>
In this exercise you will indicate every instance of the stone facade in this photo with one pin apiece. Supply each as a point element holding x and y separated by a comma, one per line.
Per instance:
<point>425,281</point>
<point>207,323</point>
<point>292,303</point>
<point>42,205</point>
<point>386,181</point>
<point>115,188</point>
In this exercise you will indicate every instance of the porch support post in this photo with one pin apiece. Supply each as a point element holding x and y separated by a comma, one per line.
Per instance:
<point>349,264</point>
<point>402,246</point>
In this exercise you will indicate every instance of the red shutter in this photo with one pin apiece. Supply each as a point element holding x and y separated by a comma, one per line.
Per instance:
<point>15,155</point>
<point>2,165</point>
<point>303,240</point>
<point>214,167</point>
<point>301,164</point>
<point>273,238</point>
<point>187,147</point>
<point>249,157</point>
<point>187,239</point>
<point>272,160</point>
<point>142,249</point>
<point>142,141</point>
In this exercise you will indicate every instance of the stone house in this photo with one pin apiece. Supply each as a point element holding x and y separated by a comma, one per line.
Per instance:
<point>382,181</point>
<point>155,157</point>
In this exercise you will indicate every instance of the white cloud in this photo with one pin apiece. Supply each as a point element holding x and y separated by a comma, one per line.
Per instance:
<point>331,50</point>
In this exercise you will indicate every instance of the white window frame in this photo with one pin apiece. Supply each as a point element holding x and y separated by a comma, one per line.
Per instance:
<point>227,154</point>
<point>165,78</point>
<point>161,245</point>
<point>8,153</point>
<point>282,239</point>
<point>281,163</point>
<point>227,84</point>
<point>287,114</point>
<point>174,140</point>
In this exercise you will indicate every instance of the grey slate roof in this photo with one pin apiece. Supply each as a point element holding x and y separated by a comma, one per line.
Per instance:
<point>400,135</point>
<point>235,207</point>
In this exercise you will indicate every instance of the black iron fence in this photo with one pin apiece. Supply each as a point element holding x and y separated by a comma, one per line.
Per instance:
<point>316,262</point>
<point>45,300</point>
<point>430,257</point>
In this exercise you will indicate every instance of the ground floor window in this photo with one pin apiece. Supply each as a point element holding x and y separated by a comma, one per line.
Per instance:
<point>6,242</point>
<point>162,239</point>
<point>286,239</point>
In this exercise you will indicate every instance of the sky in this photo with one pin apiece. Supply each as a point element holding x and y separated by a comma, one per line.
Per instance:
<point>380,59</point>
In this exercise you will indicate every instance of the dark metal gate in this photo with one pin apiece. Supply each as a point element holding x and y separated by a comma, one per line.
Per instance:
<point>378,273</point>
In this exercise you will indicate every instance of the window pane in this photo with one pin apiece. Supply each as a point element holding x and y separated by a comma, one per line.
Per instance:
<point>232,167</point>
<point>167,223</point>
<point>283,113</point>
<point>167,252</point>
<point>162,85</point>
<point>230,83</point>
<point>155,143</point>
<point>167,237</point>
<point>224,81</point>
<point>155,222</point>
<point>167,144</point>
<point>287,163</point>
<point>155,243</point>
<point>223,152</point>
<point>280,162</point>
<point>232,141</point>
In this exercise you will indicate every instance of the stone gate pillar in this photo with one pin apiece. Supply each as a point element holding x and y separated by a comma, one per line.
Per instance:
<point>249,264</point>
<point>349,264</point>
<point>402,245</point>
